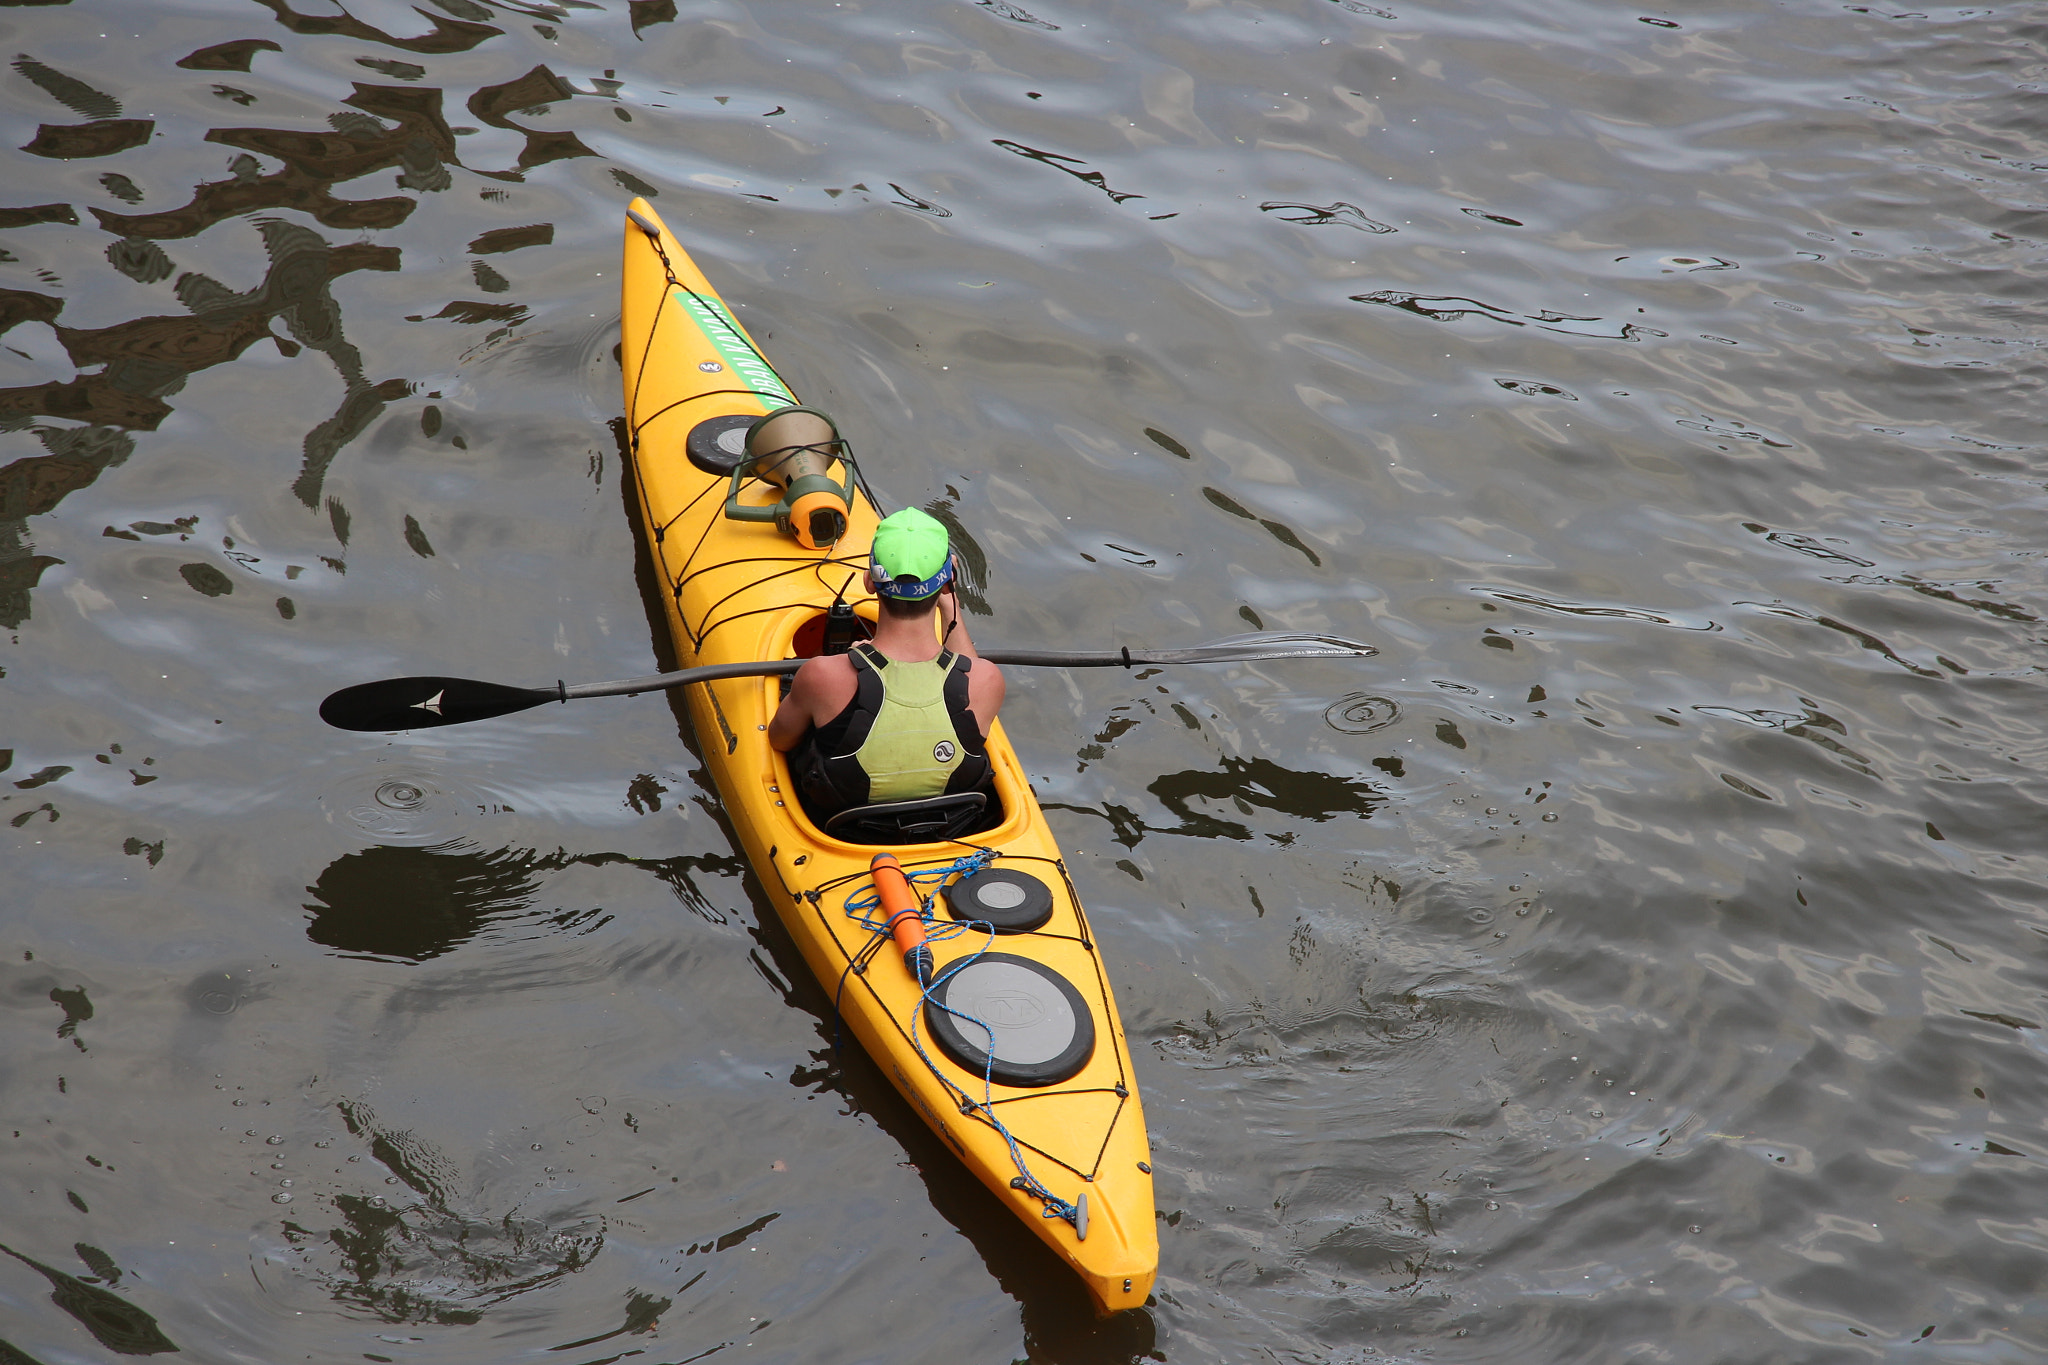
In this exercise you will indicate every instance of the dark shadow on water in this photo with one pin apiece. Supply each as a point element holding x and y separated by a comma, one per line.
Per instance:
<point>1261,784</point>
<point>1249,785</point>
<point>35,485</point>
<point>410,904</point>
<point>128,371</point>
<point>10,1354</point>
<point>114,1322</point>
<point>417,903</point>
<point>450,35</point>
<point>420,1258</point>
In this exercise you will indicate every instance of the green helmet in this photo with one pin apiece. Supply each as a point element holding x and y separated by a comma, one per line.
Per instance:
<point>912,556</point>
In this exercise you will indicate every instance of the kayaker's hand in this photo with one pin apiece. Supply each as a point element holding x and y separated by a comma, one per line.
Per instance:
<point>952,625</point>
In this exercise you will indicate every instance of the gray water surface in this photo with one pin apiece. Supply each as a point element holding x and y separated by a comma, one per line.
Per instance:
<point>1641,958</point>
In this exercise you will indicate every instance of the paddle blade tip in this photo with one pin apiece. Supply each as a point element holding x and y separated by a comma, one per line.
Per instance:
<point>1278,644</point>
<point>424,703</point>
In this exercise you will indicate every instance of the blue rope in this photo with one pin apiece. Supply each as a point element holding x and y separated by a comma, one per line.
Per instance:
<point>859,908</point>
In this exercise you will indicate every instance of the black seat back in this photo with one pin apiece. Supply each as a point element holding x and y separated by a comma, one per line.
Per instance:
<point>923,821</point>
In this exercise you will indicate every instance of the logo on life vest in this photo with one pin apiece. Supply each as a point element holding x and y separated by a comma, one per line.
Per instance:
<point>942,752</point>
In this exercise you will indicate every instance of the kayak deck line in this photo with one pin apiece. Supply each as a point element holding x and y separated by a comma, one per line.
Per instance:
<point>1005,1040</point>
<point>968,1105</point>
<point>983,1108</point>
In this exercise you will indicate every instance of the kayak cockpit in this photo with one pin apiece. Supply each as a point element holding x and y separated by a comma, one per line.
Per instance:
<point>883,824</point>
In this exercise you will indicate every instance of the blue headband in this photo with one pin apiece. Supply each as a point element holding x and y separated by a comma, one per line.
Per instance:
<point>915,592</point>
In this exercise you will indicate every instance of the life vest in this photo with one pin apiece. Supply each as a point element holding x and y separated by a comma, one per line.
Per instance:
<point>908,733</point>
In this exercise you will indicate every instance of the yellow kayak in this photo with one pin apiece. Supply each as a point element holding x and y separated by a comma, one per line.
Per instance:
<point>1014,1054</point>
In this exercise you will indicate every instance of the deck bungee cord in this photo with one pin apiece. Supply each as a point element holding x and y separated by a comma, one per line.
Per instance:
<point>678,579</point>
<point>781,401</point>
<point>859,906</point>
<point>708,313</point>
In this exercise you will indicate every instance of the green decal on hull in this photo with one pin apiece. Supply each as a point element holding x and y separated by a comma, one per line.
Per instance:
<point>724,334</point>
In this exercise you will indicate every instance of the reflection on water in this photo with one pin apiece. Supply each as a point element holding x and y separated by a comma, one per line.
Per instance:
<point>137,365</point>
<point>77,1010</point>
<point>33,486</point>
<point>1247,785</point>
<point>416,903</point>
<point>1256,784</point>
<point>422,1259</point>
<point>114,1322</point>
<point>128,371</point>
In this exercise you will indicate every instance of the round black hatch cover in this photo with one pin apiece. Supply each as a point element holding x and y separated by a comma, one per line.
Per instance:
<point>716,444</point>
<point>1011,901</point>
<point>1019,1022</point>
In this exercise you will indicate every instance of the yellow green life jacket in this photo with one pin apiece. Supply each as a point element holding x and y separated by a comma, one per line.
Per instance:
<point>908,733</point>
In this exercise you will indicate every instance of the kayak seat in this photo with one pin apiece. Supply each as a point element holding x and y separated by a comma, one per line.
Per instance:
<point>926,820</point>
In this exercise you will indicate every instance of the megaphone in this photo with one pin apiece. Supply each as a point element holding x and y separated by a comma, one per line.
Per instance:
<point>794,449</point>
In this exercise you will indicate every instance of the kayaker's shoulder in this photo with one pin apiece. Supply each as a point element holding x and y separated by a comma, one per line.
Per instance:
<point>821,667</point>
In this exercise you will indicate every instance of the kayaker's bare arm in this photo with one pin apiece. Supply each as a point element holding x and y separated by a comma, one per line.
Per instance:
<point>985,685</point>
<point>819,691</point>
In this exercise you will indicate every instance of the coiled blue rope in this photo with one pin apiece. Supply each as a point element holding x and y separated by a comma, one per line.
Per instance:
<point>860,909</point>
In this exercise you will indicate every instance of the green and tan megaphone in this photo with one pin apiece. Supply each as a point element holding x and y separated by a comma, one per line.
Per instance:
<point>794,449</point>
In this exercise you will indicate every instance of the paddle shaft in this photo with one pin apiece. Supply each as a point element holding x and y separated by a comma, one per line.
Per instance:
<point>658,682</point>
<point>1016,658</point>
<point>422,703</point>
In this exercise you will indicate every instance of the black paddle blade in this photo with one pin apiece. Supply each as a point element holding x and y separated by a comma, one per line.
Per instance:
<point>423,703</point>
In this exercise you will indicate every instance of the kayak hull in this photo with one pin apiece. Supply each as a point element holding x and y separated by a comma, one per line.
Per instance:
<point>737,590</point>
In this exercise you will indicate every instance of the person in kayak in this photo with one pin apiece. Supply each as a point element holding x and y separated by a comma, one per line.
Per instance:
<point>905,715</point>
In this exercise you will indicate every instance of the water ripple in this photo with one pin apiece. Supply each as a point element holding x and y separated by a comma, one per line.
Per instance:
<point>1361,713</point>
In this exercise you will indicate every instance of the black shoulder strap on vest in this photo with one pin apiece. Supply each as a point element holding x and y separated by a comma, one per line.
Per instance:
<point>974,772</point>
<point>868,663</point>
<point>828,777</point>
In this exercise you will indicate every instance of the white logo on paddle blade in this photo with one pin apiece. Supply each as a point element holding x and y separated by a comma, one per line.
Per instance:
<point>432,703</point>
<point>942,752</point>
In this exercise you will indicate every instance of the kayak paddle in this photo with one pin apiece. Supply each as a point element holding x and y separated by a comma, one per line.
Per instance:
<point>423,703</point>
